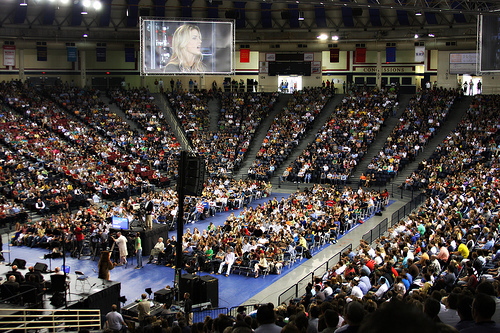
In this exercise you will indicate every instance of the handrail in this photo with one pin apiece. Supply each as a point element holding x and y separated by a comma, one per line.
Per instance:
<point>299,287</point>
<point>384,225</point>
<point>49,319</point>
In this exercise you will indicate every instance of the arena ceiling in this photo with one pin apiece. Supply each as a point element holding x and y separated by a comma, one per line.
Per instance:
<point>263,21</point>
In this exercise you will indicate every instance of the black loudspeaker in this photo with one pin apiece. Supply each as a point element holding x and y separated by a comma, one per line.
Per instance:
<point>20,263</point>
<point>188,284</point>
<point>41,267</point>
<point>165,296</point>
<point>209,290</point>
<point>195,175</point>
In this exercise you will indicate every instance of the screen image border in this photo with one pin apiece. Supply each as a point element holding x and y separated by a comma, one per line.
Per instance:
<point>217,48</point>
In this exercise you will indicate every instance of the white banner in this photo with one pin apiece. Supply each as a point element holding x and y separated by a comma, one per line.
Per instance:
<point>263,67</point>
<point>9,55</point>
<point>270,56</point>
<point>419,53</point>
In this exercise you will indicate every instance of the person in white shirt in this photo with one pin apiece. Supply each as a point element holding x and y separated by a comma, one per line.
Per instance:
<point>157,250</point>
<point>381,289</point>
<point>228,262</point>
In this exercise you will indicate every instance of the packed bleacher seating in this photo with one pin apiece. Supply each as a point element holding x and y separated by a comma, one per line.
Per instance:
<point>471,143</point>
<point>287,129</point>
<point>240,115</point>
<point>157,145</point>
<point>425,114</point>
<point>344,139</point>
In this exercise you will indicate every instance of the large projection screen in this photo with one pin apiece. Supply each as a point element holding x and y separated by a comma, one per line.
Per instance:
<point>176,47</point>
<point>489,44</point>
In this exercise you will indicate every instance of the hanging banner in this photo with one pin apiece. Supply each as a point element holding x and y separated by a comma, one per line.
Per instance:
<point>9,55</point>
<point>334,55</point>
<point>263,67</point>
<point>360,54</point>
<point>390,54</point>
<point>419,53</point>
<point>71,53</point>
<point>309,56</point>
<point>100,54</point>
<point>129,54</point>
<point>245,55</point>
<point>41,53</point>
<point>270,56</point>
<point>315,67</point>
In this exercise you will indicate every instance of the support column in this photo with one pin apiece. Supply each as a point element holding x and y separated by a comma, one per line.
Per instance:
<point>379,71</point>
<point>22,76</point>
<point>83,68</point>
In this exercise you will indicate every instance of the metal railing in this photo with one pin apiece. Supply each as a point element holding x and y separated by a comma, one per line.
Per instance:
<point>233,312</point>
<point>49,319</point>
<point>199,316</point>
<point>385,224</point>
<point>300,287</point>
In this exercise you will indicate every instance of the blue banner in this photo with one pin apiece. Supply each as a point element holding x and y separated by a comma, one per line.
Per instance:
<point>41,53</point>
<point>390,54</point>
<point>129,54</point>
<point>100,54</point>
<point>72,53</point>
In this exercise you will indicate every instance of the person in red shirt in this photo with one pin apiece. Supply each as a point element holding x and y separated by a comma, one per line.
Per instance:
<point>79,239</point>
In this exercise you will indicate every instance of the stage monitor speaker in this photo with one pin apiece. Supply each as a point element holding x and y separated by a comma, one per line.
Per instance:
<point>165,296</point>
<point>20,263</point>
<point>41,267</point>
<point>189,284</point>
<point>209,290</point>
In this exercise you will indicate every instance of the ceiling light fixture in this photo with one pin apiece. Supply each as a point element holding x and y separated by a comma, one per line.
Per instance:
<point>23,3</point>
<point>432,35</point>
<point>416,36</point>
<point>419,13</point>
<point>97,5</point>
<point>335,37</point>
<point>322,37</point>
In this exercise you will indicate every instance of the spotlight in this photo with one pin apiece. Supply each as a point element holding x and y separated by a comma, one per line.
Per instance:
<point>86,3</point>
<point>432,35</point>
<point>85,35</point>
<point>97,5</point>
<point>335,37</point>
<point>416,36</point>
<point>418,13</point>
<point>64,1</point>
<point>322,37</point>
<point>301,16</point>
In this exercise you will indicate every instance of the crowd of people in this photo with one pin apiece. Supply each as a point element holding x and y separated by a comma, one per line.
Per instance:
<point>471,143</point>
<point>264,239</point>
<point>344,139</point>
<point>287,129</point>
<point>425,114</point>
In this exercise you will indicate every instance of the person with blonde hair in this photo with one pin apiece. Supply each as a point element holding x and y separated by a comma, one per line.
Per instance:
<point>186,50</point>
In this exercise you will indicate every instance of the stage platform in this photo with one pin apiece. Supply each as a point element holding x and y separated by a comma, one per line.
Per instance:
<point>149,237</point>
<point>91,293</point>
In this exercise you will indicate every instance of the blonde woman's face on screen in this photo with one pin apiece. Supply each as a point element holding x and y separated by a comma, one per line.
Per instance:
<point>194,44</point>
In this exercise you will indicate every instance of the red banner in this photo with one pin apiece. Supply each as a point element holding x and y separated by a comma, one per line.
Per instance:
<point>244,55</point>
<point>360,54</point>
<point>334,55</point>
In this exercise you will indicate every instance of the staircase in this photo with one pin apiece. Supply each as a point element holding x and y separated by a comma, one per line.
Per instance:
<point>214,106</point>
<point>116,110</point>
<point>260,136</point>
<point>309,137</point>
<point>381,138</point>
<point>455,115</point>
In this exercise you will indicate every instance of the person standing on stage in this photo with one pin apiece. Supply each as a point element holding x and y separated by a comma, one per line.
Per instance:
<point>149,213</point>
<point>188,309</point>
<point>105,265</point>
<point>121,241</point>
<point>138,250</point>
